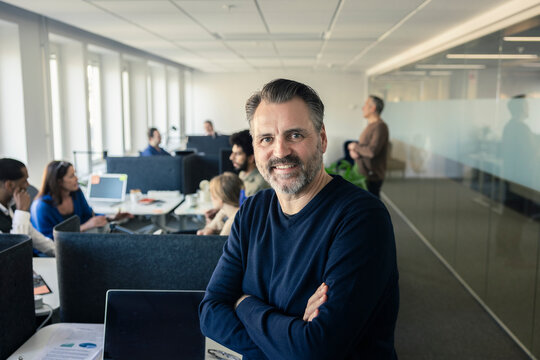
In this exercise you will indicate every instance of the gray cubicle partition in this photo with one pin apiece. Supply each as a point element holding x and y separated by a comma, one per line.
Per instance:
<point>90,264</point>
<point>17,317</point>
<point>208,145</point>
<point>149,172</point>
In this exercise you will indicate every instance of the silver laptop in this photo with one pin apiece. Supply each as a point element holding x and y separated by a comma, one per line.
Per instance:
<point>107,188</point>
<point>153,324</point>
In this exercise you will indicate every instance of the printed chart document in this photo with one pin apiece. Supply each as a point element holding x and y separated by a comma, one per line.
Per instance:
<point>216,351</point>
<point>75,342</point>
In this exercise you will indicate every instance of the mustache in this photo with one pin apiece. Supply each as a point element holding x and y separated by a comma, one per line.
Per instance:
<point>287,160</point>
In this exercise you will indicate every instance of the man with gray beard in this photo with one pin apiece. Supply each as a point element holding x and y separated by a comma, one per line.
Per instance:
<point>309,270</point>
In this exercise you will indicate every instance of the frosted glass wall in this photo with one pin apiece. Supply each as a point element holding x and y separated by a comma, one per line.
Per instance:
<point>468,131</point>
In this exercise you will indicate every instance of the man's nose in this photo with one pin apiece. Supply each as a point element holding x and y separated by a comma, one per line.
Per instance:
<point>281,148</point>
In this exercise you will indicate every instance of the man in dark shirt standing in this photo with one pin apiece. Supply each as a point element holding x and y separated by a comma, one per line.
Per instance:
<point>309,270</point>
<point>371,150</point>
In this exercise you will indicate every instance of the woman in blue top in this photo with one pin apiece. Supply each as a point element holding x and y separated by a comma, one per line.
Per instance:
<point>60,198</point>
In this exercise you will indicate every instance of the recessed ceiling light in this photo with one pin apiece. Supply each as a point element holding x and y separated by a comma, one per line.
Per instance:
<point>492,56</point>
<point>451,66</point>
<point>521,38</point>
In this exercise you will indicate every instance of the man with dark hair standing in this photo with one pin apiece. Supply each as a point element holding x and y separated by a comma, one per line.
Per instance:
<point>371,150</point>
<point>243,160</point>
<point>13,185</point>
<point>309,270</point>
<point>153,148</point>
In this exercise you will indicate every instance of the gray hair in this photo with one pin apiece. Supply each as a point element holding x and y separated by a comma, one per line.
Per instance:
<point>378,102</point>
<point>282,90</point>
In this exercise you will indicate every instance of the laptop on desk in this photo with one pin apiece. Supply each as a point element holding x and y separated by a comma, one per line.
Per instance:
<point>158,324</point>
<point>107,189</point>
<point>153,324</point>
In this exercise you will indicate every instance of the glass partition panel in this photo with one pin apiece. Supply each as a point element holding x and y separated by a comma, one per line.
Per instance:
<point>466,122</point>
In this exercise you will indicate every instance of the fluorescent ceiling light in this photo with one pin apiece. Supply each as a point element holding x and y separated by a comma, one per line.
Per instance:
<point>413,73</point>
<point>451,66</point>
<point>521,38</point>
<point>492,56</point>
<point>440,73</point>
<point>531,65</point>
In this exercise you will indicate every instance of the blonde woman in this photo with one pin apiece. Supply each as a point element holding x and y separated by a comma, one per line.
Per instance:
<point>225,192</point>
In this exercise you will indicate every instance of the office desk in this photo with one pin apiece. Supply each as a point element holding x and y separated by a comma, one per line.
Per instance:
<point>46,267</point>
<point>157,210</point>
<point>199,209</point>
<point>163,207</point>
<point>49,339</point>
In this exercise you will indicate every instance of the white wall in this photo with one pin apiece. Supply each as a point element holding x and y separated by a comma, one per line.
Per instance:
<point>221,98</point>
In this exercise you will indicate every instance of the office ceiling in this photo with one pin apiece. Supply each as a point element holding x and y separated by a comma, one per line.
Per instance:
<point>257,35</point>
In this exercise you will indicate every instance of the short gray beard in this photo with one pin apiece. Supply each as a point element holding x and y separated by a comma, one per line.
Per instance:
<point>308,171</point>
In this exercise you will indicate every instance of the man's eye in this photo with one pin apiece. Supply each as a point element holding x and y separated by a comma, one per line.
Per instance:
<point>296,136</point>
<point>266,139</point>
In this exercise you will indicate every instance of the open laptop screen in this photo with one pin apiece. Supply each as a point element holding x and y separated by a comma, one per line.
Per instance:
<point>107,187</point>
<point>153,324</point>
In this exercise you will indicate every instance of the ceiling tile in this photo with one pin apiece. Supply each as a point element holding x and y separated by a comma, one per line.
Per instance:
<point>299,48</point>
<point>241,17</point>
<point>159,17</point>
<point>300,16</point>
<point>253,48</point>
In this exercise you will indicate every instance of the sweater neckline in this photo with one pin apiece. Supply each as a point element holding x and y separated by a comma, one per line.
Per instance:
<point>313,204</point>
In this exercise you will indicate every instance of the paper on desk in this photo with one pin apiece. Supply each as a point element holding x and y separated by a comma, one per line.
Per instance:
<point>75,342</point>
<point>215,351</point>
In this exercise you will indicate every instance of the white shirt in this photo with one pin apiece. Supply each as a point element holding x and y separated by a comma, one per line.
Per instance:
<point>21,225</point>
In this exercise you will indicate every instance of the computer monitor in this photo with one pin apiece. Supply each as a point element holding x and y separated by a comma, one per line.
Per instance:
<point>107,187</point>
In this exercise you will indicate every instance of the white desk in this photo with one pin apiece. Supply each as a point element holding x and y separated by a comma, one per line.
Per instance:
<point>163,207</point>
<point>46,267</point>
<point>49,340</point>
<point>199,209</point>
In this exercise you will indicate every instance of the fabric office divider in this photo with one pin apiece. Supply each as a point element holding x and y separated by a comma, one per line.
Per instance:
<point>225,163</point>
<point>207,145</point>
<point>90,264</point>
<point>149,172</point>
<point>198,168</point>
<point>17,317</point>
<point>72,224</point>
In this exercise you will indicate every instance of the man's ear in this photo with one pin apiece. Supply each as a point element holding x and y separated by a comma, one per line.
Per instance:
<point>324,139</point>
<point>8,185</point>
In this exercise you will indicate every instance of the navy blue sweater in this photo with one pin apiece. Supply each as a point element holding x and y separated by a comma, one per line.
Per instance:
<point>343,237</point>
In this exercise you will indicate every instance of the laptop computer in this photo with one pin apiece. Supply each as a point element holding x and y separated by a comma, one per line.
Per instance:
<point>107,188</point>
<point>153,324</point>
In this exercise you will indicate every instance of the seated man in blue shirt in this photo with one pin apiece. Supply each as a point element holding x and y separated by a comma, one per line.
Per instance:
<point>309,270</point>
<point>154,139</point>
